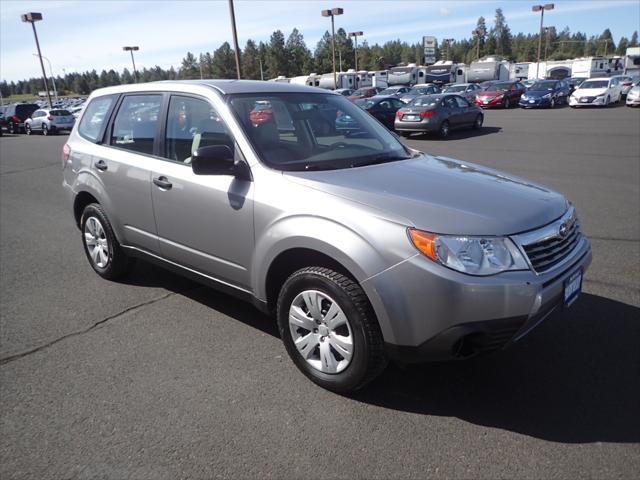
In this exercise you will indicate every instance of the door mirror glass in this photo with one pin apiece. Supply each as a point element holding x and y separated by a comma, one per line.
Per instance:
<point>213,160</point>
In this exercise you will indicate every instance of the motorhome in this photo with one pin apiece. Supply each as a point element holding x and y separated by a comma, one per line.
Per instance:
<point>443,72</point>
<point>592,67</point>
<point>488,68</point>
<point>520,70</point>
<point>403,75</point>
<point>632,61</point>
<point>342,80</point>
<point>364,78</point>
<point>379,78</point>
<point>280,79</point>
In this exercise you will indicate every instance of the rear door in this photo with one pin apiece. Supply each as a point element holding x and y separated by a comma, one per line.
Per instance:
<point>454,112</point>
<point>205,222</point>
<point>124,165</point>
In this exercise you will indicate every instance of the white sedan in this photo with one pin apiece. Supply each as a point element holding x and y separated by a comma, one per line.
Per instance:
<point>596,91</point>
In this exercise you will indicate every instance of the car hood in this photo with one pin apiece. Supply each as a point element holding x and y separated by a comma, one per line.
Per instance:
<point>537,93</point>
<point>443,195</point>
<point>490,94</point>
<point>589,92</point>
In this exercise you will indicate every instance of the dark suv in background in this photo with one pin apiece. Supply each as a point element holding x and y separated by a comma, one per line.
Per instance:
<point>12,117</point>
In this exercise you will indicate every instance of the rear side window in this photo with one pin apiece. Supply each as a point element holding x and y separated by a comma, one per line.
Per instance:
<point>94,118</point>
<point>136,122</point>
<point>60,113</point>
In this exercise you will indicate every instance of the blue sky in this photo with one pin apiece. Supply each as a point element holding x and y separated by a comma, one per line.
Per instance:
<point>78,35</point>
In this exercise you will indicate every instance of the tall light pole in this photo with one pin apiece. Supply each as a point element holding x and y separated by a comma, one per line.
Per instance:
<point>448,42</point>
<point>235,39</point>
<point>546,43</point>
<point>32,18</point>
<point>355,36</point>
<point>541,9</point>
<point>53,80</point>
<point>131,50</point>
<point>478,32</point>
<point>332,13</point>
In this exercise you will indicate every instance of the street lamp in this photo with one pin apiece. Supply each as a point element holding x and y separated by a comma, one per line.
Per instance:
<point>55,90</point>
<point>131,50</point>
<point>478,32</point>
<point>32,18</point>
<point>332,13</point>
<point>355,36</point>
<point>541,9</point>
<point>448,42</point>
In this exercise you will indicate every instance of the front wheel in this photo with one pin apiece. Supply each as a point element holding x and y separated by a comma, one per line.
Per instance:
<point>11,128</point>
<point>329,329</point>
<point>477,125</point>
<point>27,129</point>
<point>552,104</point>
<point>100,244</point>
<point>507,103</point>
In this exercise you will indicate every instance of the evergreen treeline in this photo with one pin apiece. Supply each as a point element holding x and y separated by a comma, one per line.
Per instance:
<point>291,56</point>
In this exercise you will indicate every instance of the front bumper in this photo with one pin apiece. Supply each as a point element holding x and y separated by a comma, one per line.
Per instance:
<point>591,101</point>
<point>490,102</point>
<point>633,101</point>
<point>534,102</point>
<point>428,312</point>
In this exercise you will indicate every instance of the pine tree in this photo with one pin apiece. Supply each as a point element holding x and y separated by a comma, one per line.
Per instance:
<point>189,67</point>
<point>323,55</point>
<point>634,40</point>
<point>251,61</point>
<point>224,62</point>
<point>298,53</point>
<point>277,58</point>
<point>501,35</point>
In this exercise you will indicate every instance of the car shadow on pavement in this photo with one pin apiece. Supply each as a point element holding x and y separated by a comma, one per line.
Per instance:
<point>575,379</point>
<point>457,134</point>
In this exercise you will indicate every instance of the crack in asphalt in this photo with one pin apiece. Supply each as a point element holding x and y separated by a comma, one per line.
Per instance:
<point>11,358</point>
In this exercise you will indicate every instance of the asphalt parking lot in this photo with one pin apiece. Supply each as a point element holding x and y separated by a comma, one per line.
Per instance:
<point>158,377</point>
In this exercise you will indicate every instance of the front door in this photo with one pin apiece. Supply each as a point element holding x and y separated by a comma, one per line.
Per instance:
<point>205,222</point>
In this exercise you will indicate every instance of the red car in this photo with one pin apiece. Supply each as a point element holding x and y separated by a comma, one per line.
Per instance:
<point>501,94</point>
<point>365,92</point>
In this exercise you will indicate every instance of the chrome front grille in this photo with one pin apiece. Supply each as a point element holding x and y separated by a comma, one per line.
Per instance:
<point>551,245</point>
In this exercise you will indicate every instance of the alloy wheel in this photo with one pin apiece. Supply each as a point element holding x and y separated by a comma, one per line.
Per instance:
<point>96,241</point>
<point>321,332</point>
<point>45,130</point>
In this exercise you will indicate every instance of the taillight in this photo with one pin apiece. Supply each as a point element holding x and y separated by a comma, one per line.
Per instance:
<point>66,152</point>
<point>398,114</point>
<point>50,118</point>
<point>427,113</point>
<point>16,119</point>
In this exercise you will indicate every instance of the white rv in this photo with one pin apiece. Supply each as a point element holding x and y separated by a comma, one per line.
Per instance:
<point>403,75</point>
<point>488,68</point>
<point>593,67</point>
<point>280,79</point>
<point>632,61</point>
<point>364,79</point>
<point>379,78</point>
<point>520,70</point>
<point>443,72</point>
<point>343,80</point>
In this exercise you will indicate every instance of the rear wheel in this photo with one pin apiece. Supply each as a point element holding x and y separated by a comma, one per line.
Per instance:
<point>27,129</point>
<point>477,125</point>
<point>11,128</point>
<point>100,244</point>
<point>445,129</point>
<point>329,329</point>
<point>45,130</point>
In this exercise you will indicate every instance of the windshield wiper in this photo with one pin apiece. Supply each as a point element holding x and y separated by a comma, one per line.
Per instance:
<point>381,158</point>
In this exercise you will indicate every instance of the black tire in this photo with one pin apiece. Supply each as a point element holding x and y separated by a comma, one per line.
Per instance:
<point>11,128</point>
<point>507,103</point>
<point>477,124</point>
<point>405,134</point>
<point>27,129</point>
<point>368,359</point>
<point>552,104</point>
<point>45,130</point>
<point>444,129</point>
<point>118,263</point>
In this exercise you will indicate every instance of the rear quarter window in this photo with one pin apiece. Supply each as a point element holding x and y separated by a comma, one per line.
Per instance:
<point>95,116</point>
<point>60,113</point>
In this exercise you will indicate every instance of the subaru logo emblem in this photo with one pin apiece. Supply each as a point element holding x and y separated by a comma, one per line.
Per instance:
<point>563,230</point>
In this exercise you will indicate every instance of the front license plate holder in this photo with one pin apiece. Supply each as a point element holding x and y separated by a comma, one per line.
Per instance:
<point>572,287</point>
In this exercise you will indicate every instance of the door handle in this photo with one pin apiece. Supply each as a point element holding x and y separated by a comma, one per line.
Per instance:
<point>162,182</point>
<point>101,165</point>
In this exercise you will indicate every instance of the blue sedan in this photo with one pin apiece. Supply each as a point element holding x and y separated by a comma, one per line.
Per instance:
<point>546,93</point>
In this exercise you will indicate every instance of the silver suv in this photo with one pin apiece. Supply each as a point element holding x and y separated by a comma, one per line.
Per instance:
<point>48,121</point>
<point>363,249</point>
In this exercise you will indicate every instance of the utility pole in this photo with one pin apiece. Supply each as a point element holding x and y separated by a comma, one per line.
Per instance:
<point>131,50</point>
<point>32,18</point>
<point>235,39</point>
<point>332,13</point>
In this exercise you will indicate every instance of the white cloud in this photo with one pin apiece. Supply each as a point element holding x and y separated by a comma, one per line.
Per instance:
<point>444,11</point>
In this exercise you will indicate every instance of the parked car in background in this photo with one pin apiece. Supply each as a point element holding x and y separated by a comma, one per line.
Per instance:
<point>419,90</point>
<point>596,92</point>
<point>575,82</point>
<point>364,92</point>
<point>15,115</point>
<point>546,93</point>
<point>439,113</point>
<point>395,91</point>
<point>633,97</point>
<point>487,83</point>
<point>467,90</point>
<point>626,83</point>
<point>48,121</point>
<point>382,108</point>
<point>345,91</point>
<point>500,94</point>
<point>75,111</point>
<point>529,82</point>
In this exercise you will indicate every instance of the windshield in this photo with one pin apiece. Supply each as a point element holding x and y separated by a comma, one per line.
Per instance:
<point>542,86</point>
<point>499,87</point>
<point>360,92</point>
<point>365,103</point>
<point>422,90</point>
<point>455,88</point>
<point>426,101</point>
<point>594,84</point>
<point>314,132</point>
<point>389,91</point>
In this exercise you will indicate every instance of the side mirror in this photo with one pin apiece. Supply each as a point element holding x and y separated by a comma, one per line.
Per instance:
<point>218,160</point>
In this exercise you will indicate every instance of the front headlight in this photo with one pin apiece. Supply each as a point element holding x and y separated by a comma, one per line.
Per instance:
<point>470,255</point>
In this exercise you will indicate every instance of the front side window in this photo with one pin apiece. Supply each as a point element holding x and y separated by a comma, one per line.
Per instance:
<point>192,123</point>
<point>294,131</point>
<point>136,122</point>
<point>94,117</point>
<point>462,102</point>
